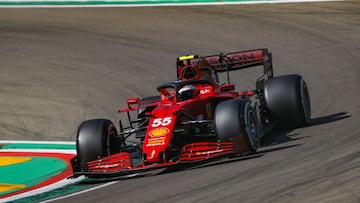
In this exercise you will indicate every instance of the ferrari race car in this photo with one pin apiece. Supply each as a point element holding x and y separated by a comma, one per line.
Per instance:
<point>194,118</point>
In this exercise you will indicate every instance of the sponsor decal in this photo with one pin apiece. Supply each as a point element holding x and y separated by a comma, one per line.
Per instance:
<point>159,132</point>
<point>152,154</point>
<point>156,142</point>
<point>204,91</point>
<point>209,152</point>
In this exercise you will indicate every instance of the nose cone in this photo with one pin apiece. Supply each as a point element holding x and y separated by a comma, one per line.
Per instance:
<point>153,156</point>
<point>157,140</point>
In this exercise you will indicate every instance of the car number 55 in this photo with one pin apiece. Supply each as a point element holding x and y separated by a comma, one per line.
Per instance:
<point>161,121</point>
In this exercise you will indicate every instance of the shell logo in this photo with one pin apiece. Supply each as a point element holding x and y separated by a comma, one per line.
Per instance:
<point>158,132</point>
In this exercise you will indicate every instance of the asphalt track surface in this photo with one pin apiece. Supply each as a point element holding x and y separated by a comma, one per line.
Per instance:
<point>61,66</point>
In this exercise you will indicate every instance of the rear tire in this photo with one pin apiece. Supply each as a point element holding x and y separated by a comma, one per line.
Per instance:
<point>236,117</point>
<point>287,97</point>
<point>95,139</point>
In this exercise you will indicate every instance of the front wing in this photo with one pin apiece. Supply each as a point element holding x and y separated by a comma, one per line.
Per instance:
<point>121,164</point>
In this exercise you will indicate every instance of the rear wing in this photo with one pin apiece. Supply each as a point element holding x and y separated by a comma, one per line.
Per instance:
<point>230,61</point>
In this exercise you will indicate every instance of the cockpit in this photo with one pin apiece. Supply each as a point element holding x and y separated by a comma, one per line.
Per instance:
<point>183,90</point>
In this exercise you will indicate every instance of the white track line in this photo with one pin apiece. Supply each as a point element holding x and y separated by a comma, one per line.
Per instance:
<point>34,142</point>
<point>62,151</point>
<point>168,4</point>
<point>41,190</point>
<point>81,192</point>
<point>58,151</point>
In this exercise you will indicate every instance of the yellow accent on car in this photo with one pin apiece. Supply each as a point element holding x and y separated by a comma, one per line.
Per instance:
<point>158,132</point>
<point>151,141</point>
<point>188,57</point>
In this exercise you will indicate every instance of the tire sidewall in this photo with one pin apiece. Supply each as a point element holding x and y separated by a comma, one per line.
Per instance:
<point>287,98</point>
<point>96,138</point>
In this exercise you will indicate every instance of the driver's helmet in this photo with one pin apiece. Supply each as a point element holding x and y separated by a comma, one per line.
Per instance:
<point>187,92</point>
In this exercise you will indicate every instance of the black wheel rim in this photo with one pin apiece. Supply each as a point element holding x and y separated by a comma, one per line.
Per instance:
<point>252,130</point>
<point>306,102</point>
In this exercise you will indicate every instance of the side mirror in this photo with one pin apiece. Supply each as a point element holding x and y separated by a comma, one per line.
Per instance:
<point>131,102</point>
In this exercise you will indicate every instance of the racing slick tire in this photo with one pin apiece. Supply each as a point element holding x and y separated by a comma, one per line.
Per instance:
<point>96,138</point>
<point>287,97</point>
<point>236,117</point>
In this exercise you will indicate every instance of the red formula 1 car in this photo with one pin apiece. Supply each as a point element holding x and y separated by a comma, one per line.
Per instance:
<point>194,118</point>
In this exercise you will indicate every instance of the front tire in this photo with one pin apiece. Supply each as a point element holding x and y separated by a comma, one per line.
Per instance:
<point>95,139</point>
